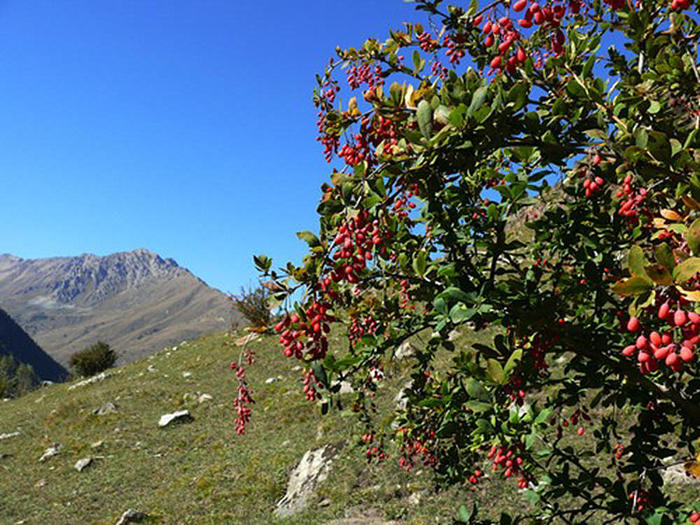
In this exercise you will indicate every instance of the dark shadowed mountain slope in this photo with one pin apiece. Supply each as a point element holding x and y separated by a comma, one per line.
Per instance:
<point>135,301</point>
<point>15,342</point>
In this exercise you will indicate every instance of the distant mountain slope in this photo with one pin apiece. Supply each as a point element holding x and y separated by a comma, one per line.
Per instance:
<point>135,301</point>
<point>15,342</point>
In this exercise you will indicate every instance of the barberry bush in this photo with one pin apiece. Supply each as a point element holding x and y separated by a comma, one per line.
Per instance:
<point>527,170</point>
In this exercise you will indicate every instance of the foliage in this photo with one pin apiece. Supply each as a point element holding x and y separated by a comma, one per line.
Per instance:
<point>16,379</point>
<point>254,305</point>
<point>593,296</point>
<point>93,360</point>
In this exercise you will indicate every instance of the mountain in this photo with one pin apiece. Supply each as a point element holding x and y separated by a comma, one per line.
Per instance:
<point>135,301</point>
<point>15,342</point>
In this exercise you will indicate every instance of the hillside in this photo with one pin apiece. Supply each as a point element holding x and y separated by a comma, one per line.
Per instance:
<point>201,471</point>
<point>135,301</point>
<point>16,343</point>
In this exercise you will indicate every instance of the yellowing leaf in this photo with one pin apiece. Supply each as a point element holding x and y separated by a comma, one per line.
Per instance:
<point>690,295</point>
<point>691,203</point>
<point>692,468</point>
<point>693,237</point>
<point>633,286</point>
<point>659,223</point>
<point>659,274</point>
<point>636,261</point>
<point>686,269</point>
<point>670,215</point>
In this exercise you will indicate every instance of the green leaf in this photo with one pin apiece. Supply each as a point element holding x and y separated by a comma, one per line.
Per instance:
<point>459,313</point>
<point>329,207</point>
<point>420,262</point>
<point>664,256</point>
<point>654,107</point>
<point>424,116</point>
<point>636,262</point>
<point>633,286</point>
<point>477,406</point>
<point>686,269</point>
<point>477,100</point>
<point>693,237</point>
<point>495,371</point>
<point>659,274</point>
<point>512,362</point>
<point>641,137</point>
<point>309,237</point>
<point>262,262</point>
<point>476,390</point>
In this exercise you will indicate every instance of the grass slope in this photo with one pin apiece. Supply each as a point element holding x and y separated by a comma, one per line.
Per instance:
<point>200,472</point>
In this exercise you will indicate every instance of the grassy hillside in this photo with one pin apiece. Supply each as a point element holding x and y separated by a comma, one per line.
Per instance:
<point>200,472</point>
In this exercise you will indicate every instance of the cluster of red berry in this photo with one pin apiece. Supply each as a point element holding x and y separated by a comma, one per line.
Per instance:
<point>507,458</point>
<point>243,399</point>
<point>293,329</point>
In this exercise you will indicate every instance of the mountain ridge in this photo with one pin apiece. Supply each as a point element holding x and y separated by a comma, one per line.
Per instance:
<point>135,301</point>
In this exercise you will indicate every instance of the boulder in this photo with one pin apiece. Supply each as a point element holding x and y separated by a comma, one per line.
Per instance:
<point>82,464</point>
<point>181,416</point>
<point>50,452</point>
<point>131,516</point>
<point>312,470</point>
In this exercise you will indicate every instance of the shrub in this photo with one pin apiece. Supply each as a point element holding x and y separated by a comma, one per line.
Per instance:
<point>254,305</point>
<point>593,300</point>
<point>16,378</point>
<point>93,359</point>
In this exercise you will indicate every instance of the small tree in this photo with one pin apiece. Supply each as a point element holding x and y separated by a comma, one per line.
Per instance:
<point>93,359</point>
<point>254,305</point>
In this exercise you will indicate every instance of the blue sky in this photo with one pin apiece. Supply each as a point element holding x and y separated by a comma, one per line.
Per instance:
<point>184,127</point>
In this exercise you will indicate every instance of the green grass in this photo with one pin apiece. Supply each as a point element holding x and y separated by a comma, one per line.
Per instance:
<point>200,472</point>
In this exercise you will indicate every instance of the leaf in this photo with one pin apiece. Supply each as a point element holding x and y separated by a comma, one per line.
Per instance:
<point>690,295</point>
<point>664,256</point>
<point>654,107</point>
<point>459,313</point>
<point>476,390</point>
<point>693,467</point>
<point>420,261</point>
<point>477,100</point>
<point>495,371</point>
<point>659,274</point>
<point>636,262</point>
<point>309,237</point>
<point>686,269</point>
<point>424,116</point>
<point>512,362</point>
<point>477,406</point>
<point>262,262</point>
<point>633,286</point>
<point>693,237</point>
<point>670,215</point>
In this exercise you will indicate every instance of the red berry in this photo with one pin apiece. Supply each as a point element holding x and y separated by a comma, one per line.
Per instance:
<point>633,324</point>
<point>496,62</point>
<point>686,354</point>
<point>664,309</point>
<point>519,5</point>
<point>679,318</point>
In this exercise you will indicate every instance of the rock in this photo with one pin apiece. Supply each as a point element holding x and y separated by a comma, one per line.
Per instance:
<point>152,368</point>
<point>131,516</point>
<point>401,398</point>
<point>345,387</point>
<point>107,408</point>
<point>50,452</point>
<point>271,380</point>
<point>414,499</point>
<point>9,435</point>
<point>405,350</point>
<point>324,503</point>
<point>676,475</point>
<point>47,383</point>
<point>94,379</point>
<point>40,483</point>
<point>186,375</point>
<point>181,416</point>
<point>82,464</point>
<point>312,470</point>
<point>203,398</point>
<point>453,335</point>
<point>296,368</point>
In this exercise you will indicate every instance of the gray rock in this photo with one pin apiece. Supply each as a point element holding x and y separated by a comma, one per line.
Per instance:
<point>181,416</point>
<point>203,398</point>
<point>186,375</point>
<point>40,483</point>
<point>271,380</point>
<point>82,464</point>
<point>107,408</point>
<point>9,435</point>
<point>94,379</point>
<point>312,470</point>
<point>131,516</point>
<point>50,452</point>
<point>453,335</point>
<point>345,387</point>
<point>405,350</point>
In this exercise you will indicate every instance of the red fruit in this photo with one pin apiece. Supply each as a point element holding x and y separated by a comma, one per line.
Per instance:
<point>525,23</point>
<point>519,5</point>
<point>580,431</point>
<point>539,17</point>
<point>633,324</point>
<point>671,359</point>
<point>694,318</point>
<point>489,41</point>
<point>655,338</point>
<point>629,350</point>
<point>496,62</point>
<point>666,338</point>
<point>487,27</point>
<point>686,354</point>
<point>662,352</point>
<point>641,342</point>
<point>679,318</point>
<point>521,55</point>
<point>695,517</point>
<point>643,357</point>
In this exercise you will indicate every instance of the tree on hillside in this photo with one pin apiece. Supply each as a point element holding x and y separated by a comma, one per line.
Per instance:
<point>93,360</point>
<point>499,171</point>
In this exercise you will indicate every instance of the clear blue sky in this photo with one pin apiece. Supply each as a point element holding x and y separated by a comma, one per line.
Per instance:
<point>184,127</point>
